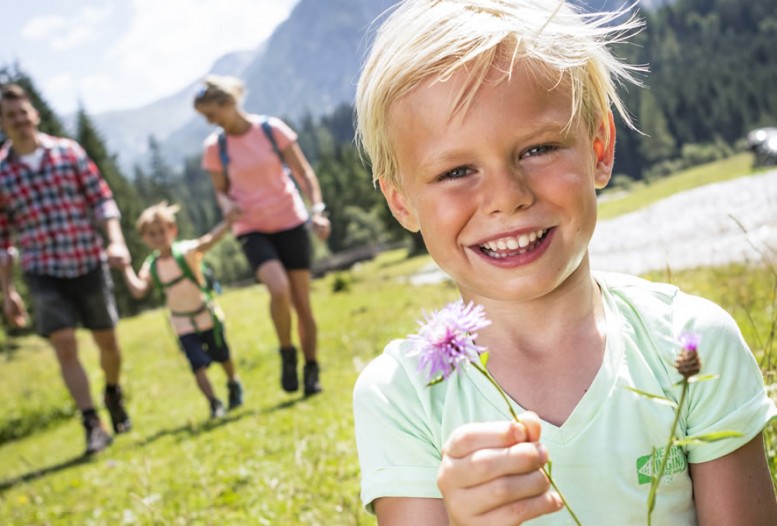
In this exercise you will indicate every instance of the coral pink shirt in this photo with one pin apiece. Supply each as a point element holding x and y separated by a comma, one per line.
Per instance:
<point>258,183</point>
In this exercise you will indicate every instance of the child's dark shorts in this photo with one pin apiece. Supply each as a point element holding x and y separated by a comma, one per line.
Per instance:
<point>201,349</point>
<point>61,303</point>
<point>291,247</point>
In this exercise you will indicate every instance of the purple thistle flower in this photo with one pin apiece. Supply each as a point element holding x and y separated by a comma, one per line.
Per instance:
<point>689,341</point>
<point>446,339</point>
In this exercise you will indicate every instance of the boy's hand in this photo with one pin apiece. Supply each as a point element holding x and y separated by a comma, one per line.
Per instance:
<point>490,474</point>
<point>14,310</point>
<point>232,215</point>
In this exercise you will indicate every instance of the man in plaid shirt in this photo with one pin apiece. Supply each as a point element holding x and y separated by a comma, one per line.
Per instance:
<point>52,198</point>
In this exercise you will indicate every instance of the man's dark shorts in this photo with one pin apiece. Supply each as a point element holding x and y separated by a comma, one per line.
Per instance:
<point>61,303</point>
<point>201,348</point>
<point>291,247</point>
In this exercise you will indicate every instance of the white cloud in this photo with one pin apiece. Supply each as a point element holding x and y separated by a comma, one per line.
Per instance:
<point>63,33</point>
<point>41,27</point>
<point>81,28</point>
<point>169,44</point>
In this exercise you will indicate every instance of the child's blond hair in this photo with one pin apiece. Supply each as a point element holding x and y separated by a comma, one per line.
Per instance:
<point>162,212</point>
<point>425,39</point>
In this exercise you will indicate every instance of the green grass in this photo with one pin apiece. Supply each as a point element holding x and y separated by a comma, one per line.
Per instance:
<point>281,459</point>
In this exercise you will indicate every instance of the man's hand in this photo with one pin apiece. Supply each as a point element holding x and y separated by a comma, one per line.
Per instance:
<point>14,309</point>
<point>118,255</point>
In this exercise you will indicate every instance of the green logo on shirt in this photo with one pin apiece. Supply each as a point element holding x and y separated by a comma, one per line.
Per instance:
<point>648,465</point>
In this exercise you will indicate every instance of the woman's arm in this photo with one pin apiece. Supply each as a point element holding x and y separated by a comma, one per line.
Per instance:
<point>735,489</point>
<point>221,187</point>
<point>308,182</point>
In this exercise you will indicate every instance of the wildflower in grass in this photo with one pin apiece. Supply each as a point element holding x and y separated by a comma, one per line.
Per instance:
<point>688,364</point>
<point>446,341</point>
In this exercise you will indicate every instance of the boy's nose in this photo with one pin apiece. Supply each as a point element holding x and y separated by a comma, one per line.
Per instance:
<point>507,192</point>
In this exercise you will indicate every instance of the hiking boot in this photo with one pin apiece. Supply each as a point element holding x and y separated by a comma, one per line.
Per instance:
<point>216,408</point>
<point>289,378</point>
<point>97,438</point>
<point>235,394</point>
<point>310,374</point>
<point>114,403</point>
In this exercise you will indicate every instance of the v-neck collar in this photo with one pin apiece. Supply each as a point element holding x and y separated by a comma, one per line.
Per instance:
<point>595,397</point>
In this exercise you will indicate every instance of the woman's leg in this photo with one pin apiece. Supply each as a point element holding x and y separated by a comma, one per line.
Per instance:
<point>299,281</point>
<point>274,276</point>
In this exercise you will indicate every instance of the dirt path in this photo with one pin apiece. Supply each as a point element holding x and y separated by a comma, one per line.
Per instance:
<point>692,228</point>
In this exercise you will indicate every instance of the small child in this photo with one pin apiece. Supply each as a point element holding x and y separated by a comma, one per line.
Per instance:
<point>195,317</point>
<point>489,127</point>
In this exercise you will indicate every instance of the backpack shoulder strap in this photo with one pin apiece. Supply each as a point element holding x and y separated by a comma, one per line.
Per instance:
<point>180,258</point>
<point>151,260</point>
<point>223,155</point>
<point>267,129</point>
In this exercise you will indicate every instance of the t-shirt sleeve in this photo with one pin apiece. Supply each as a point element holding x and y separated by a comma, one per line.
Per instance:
<point>282,133</point>
<point>736,400</point>
<point>398,453</point>
<point>211,161</point>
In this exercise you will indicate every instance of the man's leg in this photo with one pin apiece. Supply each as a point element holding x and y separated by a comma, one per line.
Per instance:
<point>73,373</point>
<point>77,382</point>
<point>110,361</point>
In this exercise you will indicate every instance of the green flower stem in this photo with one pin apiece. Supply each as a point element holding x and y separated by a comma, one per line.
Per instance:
<point>490,378</point>
<point>662,466</point>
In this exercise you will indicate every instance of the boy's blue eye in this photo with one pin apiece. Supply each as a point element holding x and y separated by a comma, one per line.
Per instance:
<point>456,173</point>
<point>539,150</point>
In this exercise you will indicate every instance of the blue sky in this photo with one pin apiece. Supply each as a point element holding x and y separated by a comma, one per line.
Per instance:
<point>121,54</point>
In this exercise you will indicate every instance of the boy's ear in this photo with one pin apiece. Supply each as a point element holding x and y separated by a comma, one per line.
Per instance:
<point>604,151</point>
<point>397,202</point>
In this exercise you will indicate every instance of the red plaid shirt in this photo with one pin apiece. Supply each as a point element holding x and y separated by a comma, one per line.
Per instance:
<point>55,210</point>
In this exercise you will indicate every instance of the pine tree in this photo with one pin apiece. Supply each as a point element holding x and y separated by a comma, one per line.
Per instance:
<point>126,198</point>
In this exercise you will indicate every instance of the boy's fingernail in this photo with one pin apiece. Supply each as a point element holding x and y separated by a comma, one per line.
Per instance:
<point>543,452</point>
<point>557,499</point>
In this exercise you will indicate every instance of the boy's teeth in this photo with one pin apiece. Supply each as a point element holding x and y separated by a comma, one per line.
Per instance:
<point>514,242</point>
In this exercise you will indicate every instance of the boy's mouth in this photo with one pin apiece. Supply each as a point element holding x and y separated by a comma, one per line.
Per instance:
<point>508,246</point>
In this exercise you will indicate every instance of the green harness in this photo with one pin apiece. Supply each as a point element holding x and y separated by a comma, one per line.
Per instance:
<point>208,302</point>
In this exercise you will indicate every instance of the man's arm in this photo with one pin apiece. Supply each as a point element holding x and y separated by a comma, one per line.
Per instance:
<point>13,305</point>
<point>118,254</point>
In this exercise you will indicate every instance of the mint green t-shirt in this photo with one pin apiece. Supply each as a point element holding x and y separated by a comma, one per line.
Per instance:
<point>602,454</point>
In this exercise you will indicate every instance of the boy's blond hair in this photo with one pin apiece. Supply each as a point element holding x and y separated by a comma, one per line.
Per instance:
<point>433,39</point>
<point>162,212</point>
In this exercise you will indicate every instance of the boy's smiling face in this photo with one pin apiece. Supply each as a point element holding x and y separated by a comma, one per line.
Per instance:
<point>503,194</point>
<point>159,235</point>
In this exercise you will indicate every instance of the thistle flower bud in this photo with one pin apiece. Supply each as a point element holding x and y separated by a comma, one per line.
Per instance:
<point>688,362</point>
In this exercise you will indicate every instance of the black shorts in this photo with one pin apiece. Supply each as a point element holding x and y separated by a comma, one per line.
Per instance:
<point>61,303</point>
<point>201,348</point>
<point>291,247</point>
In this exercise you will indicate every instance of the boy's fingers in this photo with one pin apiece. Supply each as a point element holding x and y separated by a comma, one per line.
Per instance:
<point>482,435</point>
<point>489,465</point>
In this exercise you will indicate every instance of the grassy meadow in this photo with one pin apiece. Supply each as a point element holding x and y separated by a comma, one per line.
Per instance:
<point>280,459</point>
